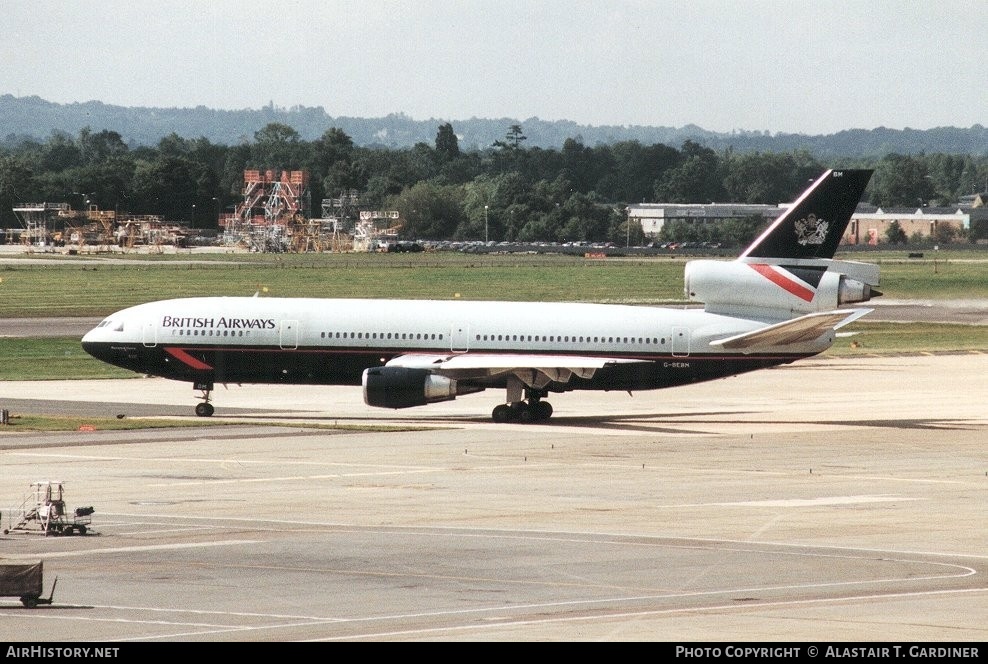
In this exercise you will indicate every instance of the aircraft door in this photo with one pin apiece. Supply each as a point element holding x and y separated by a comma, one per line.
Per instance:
<point>459,338</point>
<point>288,335</point>
<point>680,341</point>
<point>149,334</point>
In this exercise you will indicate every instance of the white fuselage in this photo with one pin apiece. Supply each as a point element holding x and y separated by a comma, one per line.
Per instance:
<point>416,326</point>
<point>424,350</point>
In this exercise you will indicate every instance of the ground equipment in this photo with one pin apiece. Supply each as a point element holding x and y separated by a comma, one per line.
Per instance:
<point>24,579</point>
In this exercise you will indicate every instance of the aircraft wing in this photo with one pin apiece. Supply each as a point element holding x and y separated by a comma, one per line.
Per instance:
<point>798,330</point>
<point>533,370</point>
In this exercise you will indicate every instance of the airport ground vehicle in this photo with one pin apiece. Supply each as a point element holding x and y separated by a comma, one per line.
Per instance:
<point>24,579</point>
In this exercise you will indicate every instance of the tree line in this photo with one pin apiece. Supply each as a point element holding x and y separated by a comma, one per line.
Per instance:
<point>33,116</point>
<point>504,192</point>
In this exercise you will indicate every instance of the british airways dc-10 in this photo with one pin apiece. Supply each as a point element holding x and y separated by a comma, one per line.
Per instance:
<point>778,302</point>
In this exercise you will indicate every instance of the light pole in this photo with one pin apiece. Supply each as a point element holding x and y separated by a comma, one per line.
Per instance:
<point>193,215</point>
<point>85,198</point>
<point>485,225</point>
<point>627,231</point>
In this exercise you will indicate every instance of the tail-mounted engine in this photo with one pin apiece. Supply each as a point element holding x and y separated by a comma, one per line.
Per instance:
<point>402,387</point>
<point>778,285</point>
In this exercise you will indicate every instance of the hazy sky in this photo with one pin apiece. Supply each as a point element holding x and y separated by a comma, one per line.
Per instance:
<point>783,66</point>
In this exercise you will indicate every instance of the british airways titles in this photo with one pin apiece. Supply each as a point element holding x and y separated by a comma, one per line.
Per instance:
<point>221,323</point>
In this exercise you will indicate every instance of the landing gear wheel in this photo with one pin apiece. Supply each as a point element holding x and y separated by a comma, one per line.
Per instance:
<point>204,409</point>
<point>542,410</point>
<point>521,411</point>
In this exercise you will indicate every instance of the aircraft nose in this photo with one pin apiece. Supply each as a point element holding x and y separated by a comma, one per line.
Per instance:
<point>93,342</point>
<point>90,345</point>
<point>94,335</point>
<point>96,345</point>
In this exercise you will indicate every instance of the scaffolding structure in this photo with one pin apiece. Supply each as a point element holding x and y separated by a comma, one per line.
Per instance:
<point>51,225</point>
<point>87,228</point>
<point>273,215</point>
<point>39,221</point>
<point>149,230</point>
<point>376,229</point>
<point>339,217</point>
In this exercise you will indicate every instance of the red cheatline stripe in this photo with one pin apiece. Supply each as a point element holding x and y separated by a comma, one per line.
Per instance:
<point>187,359</point>
<point>781,280</point>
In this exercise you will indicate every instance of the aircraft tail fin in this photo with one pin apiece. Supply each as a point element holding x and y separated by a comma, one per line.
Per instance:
<point>812,227</point>
<point>790,269</point>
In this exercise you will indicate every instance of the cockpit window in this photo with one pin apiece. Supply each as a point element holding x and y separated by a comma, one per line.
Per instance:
<point>117,326</point>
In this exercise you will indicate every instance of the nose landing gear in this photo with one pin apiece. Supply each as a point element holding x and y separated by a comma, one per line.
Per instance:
<point>204,409</point>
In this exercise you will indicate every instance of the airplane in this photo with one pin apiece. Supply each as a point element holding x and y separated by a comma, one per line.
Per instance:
<point>776,303</point>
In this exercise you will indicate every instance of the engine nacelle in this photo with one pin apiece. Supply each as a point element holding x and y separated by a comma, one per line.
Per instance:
<point>796,286</point>
<point>402,387</point>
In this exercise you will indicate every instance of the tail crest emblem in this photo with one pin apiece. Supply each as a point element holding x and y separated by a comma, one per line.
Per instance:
<point>811,230</point>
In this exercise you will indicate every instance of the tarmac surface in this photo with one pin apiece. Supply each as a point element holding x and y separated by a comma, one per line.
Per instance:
<point>829,501</point>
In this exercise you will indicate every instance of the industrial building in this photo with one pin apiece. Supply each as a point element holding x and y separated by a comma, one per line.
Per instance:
<point>869,224</point>
<point>653,216</point>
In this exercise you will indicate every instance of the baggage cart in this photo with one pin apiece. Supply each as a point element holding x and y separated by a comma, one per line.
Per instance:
<point>24,579</point>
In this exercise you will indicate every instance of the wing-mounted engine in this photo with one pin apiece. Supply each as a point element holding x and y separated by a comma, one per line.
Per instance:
<point>405,387</point>
<point>774,286</point>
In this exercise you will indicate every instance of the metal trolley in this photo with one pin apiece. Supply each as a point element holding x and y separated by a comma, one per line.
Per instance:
<point>44,511</point>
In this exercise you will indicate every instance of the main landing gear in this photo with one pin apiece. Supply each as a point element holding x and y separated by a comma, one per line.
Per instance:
<point>532,409</point>
<point>204,409</point>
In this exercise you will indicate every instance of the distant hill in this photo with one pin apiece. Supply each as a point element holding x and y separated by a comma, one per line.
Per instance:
<point>36,118</point>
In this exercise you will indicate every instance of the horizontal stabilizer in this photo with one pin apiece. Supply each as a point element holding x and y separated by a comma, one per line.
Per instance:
<point>798,330</point>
